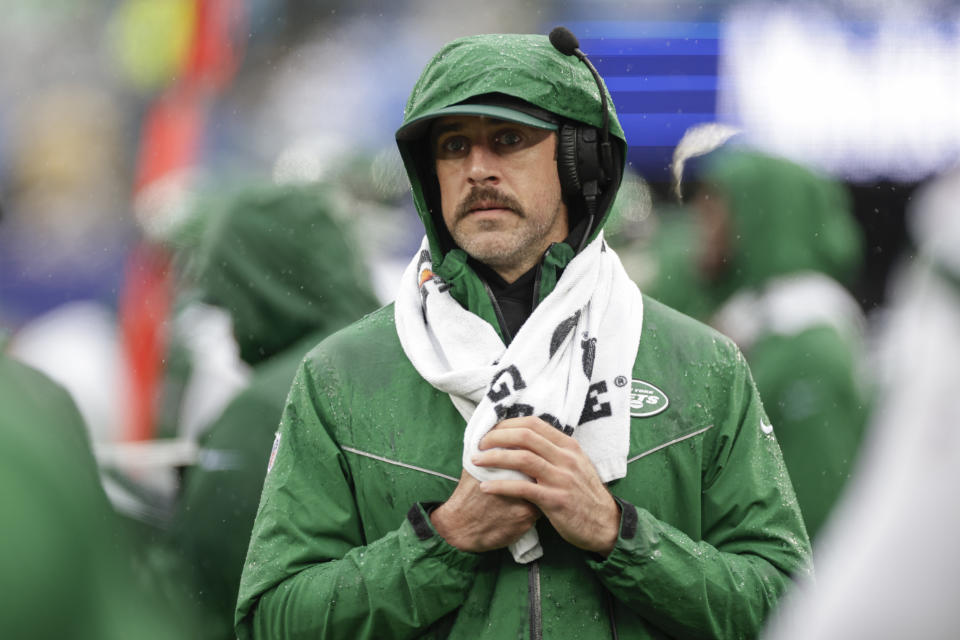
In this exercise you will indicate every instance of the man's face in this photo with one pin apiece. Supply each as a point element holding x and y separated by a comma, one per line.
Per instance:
<point>499,190</point>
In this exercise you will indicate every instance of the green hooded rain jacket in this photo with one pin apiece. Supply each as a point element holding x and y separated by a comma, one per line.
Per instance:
<point>784,304</point>
<point>65,568</point>
<point>276,260</point>
<point>343,547</point>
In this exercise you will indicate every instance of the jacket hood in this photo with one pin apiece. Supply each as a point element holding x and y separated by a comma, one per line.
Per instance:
<point>514,67</point>
<point>784,218</point>
<point>274,258</point>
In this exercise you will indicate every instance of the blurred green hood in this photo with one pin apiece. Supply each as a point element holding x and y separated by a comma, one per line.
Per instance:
<point>274,258</point>
<point>527,67</point>
<point>785,218</point>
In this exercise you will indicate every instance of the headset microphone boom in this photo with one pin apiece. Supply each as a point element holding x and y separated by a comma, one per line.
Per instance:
<point>581,170</point>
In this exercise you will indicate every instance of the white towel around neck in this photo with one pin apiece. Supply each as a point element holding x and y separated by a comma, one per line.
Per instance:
<point>570,363</point>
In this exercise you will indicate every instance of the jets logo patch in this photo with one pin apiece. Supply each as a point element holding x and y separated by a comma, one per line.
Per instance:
<point>646,400</point>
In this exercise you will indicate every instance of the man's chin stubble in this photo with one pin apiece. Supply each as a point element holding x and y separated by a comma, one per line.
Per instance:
<point>493,252</point>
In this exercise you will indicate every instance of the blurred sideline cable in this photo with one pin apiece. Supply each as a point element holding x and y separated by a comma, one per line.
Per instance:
<point>170,144</point>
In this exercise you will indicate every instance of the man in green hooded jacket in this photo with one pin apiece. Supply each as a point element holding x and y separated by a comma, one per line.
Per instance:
<point>398,503</point>
<point>277,261</point>
<point>65,569</point>
<point>779,245</point>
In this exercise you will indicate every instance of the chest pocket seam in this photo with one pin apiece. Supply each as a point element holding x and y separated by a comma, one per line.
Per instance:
<point>397,463</point>
<point>671,442</point>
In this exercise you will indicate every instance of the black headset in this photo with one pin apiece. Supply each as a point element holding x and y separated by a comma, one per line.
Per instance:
<point>585,157</point>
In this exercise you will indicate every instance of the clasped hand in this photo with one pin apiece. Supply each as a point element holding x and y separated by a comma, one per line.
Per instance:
<point>565,487</point>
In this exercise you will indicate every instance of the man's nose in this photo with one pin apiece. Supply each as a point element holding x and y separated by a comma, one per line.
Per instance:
<point>483,166</point>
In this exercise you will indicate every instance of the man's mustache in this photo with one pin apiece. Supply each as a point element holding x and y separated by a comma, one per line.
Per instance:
<point>488,198</point>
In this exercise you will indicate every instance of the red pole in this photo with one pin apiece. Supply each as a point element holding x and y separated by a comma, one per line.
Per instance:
<point>170,144</point>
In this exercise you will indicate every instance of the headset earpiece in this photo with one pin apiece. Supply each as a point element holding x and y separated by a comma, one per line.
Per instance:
<point>588,159</point>
<point>567,160</point>
<point>580,163</point>
<point>585,160</point>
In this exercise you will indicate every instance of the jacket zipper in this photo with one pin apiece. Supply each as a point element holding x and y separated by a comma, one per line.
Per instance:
<point>533,570</point>
<point>533,303</point>
<point>496,309</point>
<point>536,287</point>
<point>536,614</point>
<point>611,614</point>
<point>533,587</point>
<point>538,277</point>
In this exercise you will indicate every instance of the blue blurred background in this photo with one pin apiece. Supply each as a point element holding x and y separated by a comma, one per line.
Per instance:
<point>116,114</point>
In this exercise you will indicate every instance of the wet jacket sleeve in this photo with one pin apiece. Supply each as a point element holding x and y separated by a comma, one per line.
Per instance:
<point>809,383</point>
<point>310,572</point>
<point>725,584</point>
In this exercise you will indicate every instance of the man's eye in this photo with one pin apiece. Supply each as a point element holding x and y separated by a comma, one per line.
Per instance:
<point>509,138</point>
<point>453,144</point>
